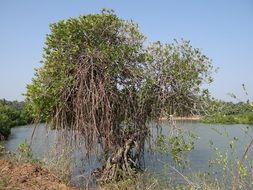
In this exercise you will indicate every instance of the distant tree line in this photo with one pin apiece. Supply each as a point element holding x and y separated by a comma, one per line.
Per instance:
<point>219,111</point>
<point>12,113</point>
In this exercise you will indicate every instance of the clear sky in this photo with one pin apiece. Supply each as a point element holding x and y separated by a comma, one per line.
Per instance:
<point>223,29</point>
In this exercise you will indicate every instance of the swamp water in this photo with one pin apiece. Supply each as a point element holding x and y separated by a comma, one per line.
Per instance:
<point>45,139</point>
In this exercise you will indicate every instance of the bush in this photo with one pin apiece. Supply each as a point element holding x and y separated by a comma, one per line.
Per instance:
<point>12,114</point>
<point>2,150</point>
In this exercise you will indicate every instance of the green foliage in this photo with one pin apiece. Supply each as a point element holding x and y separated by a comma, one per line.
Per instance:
<point>229,108</point>
<point>231,168</point>
<point>179,146</point>
<point>181,69</point>
<point>177,69</point>
<point>100,80</point>
<point>2,150</point>
<point>176,146</point>
<point>246,118</point>
<point>24,154</point>
<point>99,37</point>
<point>229,113</point>
<point>24,149</point>
<point>12,114</point>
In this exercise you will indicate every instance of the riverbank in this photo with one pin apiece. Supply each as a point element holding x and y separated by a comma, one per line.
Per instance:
<point>245,118</point>
<point>186,118</point>
<point>219,118</point>
<point>28,176</point>
<point>160,180</point>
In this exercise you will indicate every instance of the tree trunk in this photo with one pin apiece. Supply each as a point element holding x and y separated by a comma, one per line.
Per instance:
<point>121,164</point>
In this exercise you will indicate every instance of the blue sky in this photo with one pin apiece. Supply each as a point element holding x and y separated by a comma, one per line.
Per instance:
<point>223,29</point>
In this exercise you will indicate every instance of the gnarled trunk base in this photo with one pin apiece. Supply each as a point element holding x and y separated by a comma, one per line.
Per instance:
<point>120,165</point>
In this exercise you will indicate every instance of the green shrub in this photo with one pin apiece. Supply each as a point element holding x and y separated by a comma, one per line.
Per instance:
<point>2,150</point>
<point>24,154</point>
<point>12,114</point>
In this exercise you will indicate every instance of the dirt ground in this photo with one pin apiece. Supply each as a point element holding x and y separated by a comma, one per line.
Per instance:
<point>26,176</point>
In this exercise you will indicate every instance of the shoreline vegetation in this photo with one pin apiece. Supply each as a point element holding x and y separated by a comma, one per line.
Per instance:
<point>245,118</point>
<point>34,173</point>
<point>183,118</point>
<point>21,170</point>
<point>229,113</point>
<point>219,118</point>
<point>12,114</point>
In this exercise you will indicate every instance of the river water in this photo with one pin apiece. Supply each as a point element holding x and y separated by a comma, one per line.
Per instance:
<point>220,135</point>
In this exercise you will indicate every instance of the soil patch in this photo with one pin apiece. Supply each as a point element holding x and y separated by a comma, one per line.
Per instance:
<point>28,176</point>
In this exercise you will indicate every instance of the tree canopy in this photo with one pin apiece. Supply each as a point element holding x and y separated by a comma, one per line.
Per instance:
<point>101,80</point>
